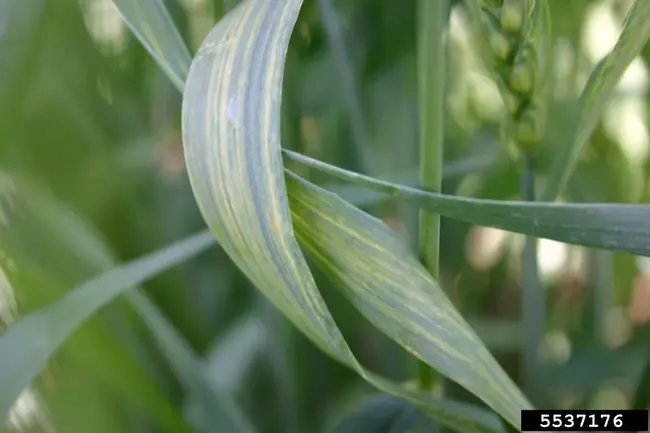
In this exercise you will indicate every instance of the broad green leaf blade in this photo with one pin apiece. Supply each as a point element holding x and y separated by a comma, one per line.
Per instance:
<point>617,227</point>
<point>598,91</point>
<point>47,328</point>
<point>151,23</point>
<point>381,413</point>
<point>392,289</point>
<point>231,137</point>
<point>223,40</point>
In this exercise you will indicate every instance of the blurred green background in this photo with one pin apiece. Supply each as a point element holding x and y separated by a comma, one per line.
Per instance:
<point>88,120</point>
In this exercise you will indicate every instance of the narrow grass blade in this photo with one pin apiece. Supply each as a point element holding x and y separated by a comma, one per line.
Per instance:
<point>27,345</point>
<point>151,23</point>
<point>231,132</point>
<point>362,196</point>
<point>598,91</point>
<point>616,227</point>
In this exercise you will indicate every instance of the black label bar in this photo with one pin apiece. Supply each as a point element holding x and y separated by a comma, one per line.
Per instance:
<point>584,420</point>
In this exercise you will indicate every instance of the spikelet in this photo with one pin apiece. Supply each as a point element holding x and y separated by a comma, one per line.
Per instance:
<point>517,37</point>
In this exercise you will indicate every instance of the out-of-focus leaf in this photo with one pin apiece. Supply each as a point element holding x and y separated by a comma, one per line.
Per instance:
<point>231,358</point>
<point>92,367</point>
<point>75,242</point>
<point>358,123</point>
<point>598,91</point>
<point>20,24</point>
<point>642,391</point>
<point>48,249</point>
<point>499,335</point>
<point>617,227</point>
<point>151,23</point>
<point>211,406</point>
<point>47,329</point>
<point>231,132</point>
<point>225,367</point>
<point>381,414</point>
<point>591,367</point>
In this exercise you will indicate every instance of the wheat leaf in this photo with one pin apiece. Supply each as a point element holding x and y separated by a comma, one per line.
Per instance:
<point>67,238</point>
<point>395,293</point>
<point>30,342</point>
<point>231,135</point>
<point>598,91</point>
<point>617,227</point>
<point>152,25</point>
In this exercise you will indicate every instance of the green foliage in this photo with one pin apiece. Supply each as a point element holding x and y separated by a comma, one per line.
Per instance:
<point>599,90</point>
<point>213,406</point>
<point>91,126</point>
<point>155,29</point>
<point>48,328</point>
<point>256,229</point>
<point>614,227</point>
<point>381,413</point>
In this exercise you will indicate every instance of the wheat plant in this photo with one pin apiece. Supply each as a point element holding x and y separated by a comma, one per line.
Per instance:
<point>294,236</point>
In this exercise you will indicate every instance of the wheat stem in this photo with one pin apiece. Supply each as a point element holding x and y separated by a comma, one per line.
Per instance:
<point>431,96</point>
<point>533,300</point>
